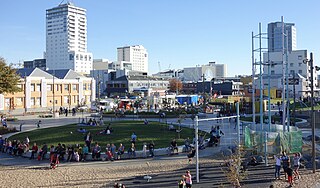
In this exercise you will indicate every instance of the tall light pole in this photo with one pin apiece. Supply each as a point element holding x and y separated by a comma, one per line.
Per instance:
<point>53,99</point>
<point>312,111</point>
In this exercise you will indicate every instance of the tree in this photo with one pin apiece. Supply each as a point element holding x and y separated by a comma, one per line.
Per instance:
<point>175,85</point>
<point>8,78</point>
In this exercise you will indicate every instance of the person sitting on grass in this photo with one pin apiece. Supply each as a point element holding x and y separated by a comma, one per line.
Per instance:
<point>43,151</point>
<point>96,151</point>
<point>151,149</point>
<point>82,130</point>
<point>132,151</point>
<point>85,152</point>
<point>120,151</point>
<point>70,153</point>
<point>34,150</point>
<point>174,146</point>
<point>113,149</point>
<point>110,156</point>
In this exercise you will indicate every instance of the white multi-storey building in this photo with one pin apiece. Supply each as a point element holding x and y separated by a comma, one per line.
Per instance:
<point>209,71</point>
<point>137,55</point>
<point>66,39</point>
<point>296,68</point>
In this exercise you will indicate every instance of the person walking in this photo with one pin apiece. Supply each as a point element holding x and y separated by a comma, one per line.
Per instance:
<point>39,123</point>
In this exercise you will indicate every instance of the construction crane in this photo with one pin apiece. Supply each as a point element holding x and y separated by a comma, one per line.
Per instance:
<point>159,66</point>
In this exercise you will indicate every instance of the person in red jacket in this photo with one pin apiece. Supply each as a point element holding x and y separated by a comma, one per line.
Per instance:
<point>34,150</point>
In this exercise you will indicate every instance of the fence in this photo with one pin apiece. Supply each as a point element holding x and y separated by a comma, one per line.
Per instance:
<point>277,140</point>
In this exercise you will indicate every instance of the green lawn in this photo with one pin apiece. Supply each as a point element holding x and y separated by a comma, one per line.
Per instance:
<point>122,131</point>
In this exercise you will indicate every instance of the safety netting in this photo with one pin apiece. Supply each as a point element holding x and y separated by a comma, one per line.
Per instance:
<point>277,140</point>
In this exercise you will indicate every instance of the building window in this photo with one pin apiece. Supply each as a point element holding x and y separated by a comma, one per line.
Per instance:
<point>75,98</point>
<point>32,101</point>
<point>38,101</point>
<point>84,86</point>
<point>19,101</point>
<point>300,71</point>
<point>89,86</point>
<point>38,87</point>
<point>291,64</point>
<point>32,88</point>
<point>66,100</point>
<point>300,64</point>
<point>71,57</point>
<point>66,87</point>
<point>74,87</point>
<point>272,72</point>
<point>49,87</point>
<point>300,57</point>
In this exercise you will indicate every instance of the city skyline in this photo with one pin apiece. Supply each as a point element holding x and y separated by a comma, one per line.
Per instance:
<point>177,34</point>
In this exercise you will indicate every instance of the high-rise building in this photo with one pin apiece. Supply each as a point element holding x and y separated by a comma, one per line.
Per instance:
<point>275,43</point>
<point>137,55</point>
<point>66,39</point>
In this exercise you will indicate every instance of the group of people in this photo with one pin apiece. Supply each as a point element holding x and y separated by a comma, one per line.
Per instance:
<point>65,110</point>
<point>289,171</point>
<point>186,180</point>
<point>15,147</point>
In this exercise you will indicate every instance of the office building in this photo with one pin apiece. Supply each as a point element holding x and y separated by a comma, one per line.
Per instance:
<point>209,71</point>
<point>137,55</point>
<point>39,63</point>
<point>275,37</point>
<point>66,39</point>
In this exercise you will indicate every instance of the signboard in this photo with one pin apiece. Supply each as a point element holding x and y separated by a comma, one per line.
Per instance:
<point>292,81</point>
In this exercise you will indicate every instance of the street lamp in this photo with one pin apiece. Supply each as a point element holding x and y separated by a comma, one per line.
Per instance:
<point>307,61</point>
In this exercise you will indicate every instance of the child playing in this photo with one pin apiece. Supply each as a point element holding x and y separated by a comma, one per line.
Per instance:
<point>290,174</point>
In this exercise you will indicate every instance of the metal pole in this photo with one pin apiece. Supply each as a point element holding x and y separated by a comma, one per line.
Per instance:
<point>261,84</point>
<point>238,126</point>
<point>266,147</point>
<point>197,148</point>
<point>287,86</point>
<point>294,98</point>
<point>283,81</point>
<point>269,94</point>
<point>53,98</point>
<point>253,84</point>
<point>312,117</point>
<point>98,87</point>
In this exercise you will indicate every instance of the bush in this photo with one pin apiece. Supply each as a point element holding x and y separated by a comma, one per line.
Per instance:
<point>7,130</point>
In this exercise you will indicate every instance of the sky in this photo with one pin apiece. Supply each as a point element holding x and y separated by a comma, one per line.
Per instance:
<point>176,33</point>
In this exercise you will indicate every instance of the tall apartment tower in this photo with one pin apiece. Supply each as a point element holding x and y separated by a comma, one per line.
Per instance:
<point>137,55</point>
<point>66,39</point>
<point>275,37</point>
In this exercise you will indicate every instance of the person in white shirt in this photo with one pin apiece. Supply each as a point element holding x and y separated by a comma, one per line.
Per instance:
<point>277,167</point>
